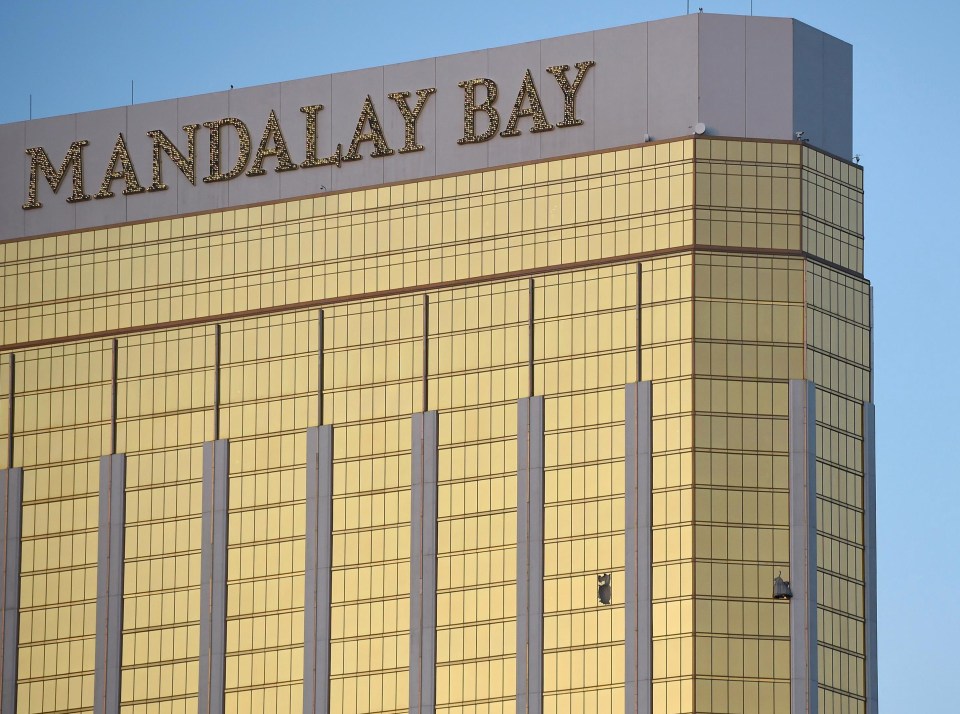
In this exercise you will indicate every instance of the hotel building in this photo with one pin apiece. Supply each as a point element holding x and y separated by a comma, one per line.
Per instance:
<point>530,380</point>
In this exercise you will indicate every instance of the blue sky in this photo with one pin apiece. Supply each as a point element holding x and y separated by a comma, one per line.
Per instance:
<point>77,55</point>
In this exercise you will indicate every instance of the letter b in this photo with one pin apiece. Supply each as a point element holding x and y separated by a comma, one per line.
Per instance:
<point>470,109</point>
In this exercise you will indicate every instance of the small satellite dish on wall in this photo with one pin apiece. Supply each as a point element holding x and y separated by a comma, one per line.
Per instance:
<point>699,128</point>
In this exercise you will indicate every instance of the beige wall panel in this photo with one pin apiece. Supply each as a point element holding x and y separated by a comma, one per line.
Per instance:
<point>722,87</point>
<point>672,56</point>
<point>769,72</point>
<point>620,98</point>
<point>13,184</point>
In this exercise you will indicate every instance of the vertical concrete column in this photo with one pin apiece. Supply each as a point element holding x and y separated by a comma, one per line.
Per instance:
<point>113,471</point>
<point>870,553</point>
<point>530,555</point>
<point>213,577</point>
<point>319,559</point>
<point>12,484</point>
<point>638,600</point>
<point>11,412</point>
<point>803,547</point>
<point>423,563</point>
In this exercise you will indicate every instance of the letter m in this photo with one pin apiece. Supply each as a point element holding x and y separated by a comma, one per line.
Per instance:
<point>40,162</point>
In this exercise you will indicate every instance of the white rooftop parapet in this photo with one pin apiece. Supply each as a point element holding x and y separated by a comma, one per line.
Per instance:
<point>738,76</point>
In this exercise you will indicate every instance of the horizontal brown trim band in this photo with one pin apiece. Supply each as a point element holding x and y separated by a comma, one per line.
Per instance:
<point>432,287</point>
<point>275,201</point>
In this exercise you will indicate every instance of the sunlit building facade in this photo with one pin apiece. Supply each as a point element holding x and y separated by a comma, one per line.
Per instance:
<point>507,423</point>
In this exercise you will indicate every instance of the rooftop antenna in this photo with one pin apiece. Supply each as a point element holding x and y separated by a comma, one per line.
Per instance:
<point>751,8</point>
<point>31,106</point>
<point>131,92</point>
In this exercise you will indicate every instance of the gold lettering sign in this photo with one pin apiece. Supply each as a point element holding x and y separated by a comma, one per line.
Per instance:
<point>528,93</point>
<point>410,117</point>
<point>470,109</point>
<point>335,159</point>
<point>126,172</point>
<point>187,164</point>
<point>368,115</point>
<point>273,142</point>
<point>40,163</point>
<point>272,132</point>
<point>570,90</point>
<point>243,133</point>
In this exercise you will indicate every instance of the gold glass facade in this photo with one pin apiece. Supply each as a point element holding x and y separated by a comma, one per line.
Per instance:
<point>750,260</point>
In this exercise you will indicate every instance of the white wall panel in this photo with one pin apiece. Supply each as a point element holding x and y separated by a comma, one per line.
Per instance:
<point>752,77</point>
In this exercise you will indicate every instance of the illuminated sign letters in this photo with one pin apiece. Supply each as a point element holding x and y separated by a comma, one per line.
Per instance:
<point>481,122</point>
